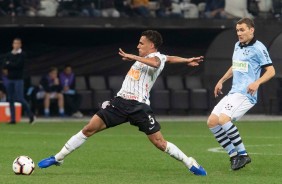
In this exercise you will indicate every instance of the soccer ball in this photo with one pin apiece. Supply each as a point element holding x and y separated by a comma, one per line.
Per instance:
<point>23,165</point>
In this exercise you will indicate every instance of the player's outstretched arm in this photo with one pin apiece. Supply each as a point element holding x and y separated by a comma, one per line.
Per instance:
<point>218,86</point>
<point>153,62</point>
<point>194,61</point>
<point>268,74</point>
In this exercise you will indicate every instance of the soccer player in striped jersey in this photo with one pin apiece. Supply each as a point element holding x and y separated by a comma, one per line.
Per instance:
<point>132,103</point>
<point>250,56</point>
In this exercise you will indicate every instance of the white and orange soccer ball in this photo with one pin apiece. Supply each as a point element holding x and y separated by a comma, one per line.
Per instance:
<point>23,165</point>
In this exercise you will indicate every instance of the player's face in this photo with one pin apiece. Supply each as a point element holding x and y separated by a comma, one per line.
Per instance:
<point>17,44</point>
<point>145,46</point>
<point>244,33</point>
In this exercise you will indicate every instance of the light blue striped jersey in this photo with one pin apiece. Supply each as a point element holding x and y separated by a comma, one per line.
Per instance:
<point>247,62</point>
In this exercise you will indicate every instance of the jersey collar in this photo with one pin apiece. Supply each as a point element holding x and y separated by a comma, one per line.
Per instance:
<point>151,54</point>
<point>242,45</point>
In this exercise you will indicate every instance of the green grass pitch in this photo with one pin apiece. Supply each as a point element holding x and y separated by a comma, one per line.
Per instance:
<point>123,155</point>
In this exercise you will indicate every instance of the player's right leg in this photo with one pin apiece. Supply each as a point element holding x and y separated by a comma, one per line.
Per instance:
<point>95,125</point>
<point>220,135</point>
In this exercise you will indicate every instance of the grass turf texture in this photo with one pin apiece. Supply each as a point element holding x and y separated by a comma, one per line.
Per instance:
<point>124,155</point>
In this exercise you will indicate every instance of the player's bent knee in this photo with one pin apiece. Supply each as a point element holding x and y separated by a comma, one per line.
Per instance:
<point>95,125</point>
<point>223,119</point>
<point>87,131</point>
<point>159,142</point>
<point>212,121</point>
<point>160,145</point>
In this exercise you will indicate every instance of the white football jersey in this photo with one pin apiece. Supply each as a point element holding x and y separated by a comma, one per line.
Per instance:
<point>140,80</point>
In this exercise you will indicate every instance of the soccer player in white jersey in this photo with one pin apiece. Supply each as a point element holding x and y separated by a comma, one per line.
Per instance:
<point>132,103</point>
<point>250,56</point>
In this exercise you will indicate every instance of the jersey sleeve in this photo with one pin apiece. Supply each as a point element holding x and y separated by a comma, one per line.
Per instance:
<point>263,56</point>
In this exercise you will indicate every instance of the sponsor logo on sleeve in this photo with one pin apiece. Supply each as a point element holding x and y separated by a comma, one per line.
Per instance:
<point>265,55</point>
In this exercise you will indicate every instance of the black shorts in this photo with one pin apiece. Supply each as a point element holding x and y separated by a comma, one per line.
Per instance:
<point>138,114</point>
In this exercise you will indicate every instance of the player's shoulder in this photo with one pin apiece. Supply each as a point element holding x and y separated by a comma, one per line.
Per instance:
<point>156,54</point>
<point>159,55</point>
<point>259,44</point>
<point>261,51</point>
<point>260,47</point>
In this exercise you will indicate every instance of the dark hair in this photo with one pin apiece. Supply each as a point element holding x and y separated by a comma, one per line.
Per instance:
<point>19,39</point>
<point>67,65</point>
<point>52,69</point>
<point>249,22</point>
<point>154,36</point>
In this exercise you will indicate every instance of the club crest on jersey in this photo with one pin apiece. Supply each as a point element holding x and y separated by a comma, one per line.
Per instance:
<point>240,66</point>
<point>246,52</point>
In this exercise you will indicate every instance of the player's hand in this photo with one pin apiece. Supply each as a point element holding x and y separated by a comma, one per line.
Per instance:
<point>125,56</point>
<point>218,89</point>
<point>194,61</point>
<point>252,88</point>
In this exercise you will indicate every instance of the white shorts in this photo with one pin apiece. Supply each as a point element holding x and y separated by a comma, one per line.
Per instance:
<point>233,105</point>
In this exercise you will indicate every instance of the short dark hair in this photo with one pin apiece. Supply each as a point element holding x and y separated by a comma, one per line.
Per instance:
<point>52,69</point>
<point>249,22</point>
<point>67,65</point>
<point>18,39</point>
<point>154,36</point>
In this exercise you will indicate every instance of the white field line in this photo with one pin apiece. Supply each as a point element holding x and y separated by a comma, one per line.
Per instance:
<point>221,150</point>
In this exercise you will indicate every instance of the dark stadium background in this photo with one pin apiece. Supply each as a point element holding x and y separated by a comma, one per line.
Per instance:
<point>91,47</point>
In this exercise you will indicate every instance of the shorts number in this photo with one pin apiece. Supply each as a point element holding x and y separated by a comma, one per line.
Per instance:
<point>151,119</point>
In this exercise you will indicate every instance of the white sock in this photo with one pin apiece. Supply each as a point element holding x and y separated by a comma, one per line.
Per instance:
<point>73,143</point>
<point>176,153</point>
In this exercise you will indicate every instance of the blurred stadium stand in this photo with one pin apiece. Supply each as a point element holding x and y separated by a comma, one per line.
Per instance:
<point>91,47</point>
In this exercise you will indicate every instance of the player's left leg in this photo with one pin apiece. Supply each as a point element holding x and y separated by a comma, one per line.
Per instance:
<point>168,147</point>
